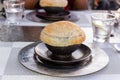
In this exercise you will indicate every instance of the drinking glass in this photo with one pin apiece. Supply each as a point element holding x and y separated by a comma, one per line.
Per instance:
<point>102,24</point>
<point>117,26</point>
<point>117,30</point>
<point>14,10</point>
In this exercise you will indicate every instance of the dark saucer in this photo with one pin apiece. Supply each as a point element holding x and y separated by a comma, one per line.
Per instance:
<point>81,57</point>
<point>64,15</point>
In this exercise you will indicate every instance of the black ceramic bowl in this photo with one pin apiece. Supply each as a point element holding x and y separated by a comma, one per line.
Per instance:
<point>53,10</point>
<point>62,53</point>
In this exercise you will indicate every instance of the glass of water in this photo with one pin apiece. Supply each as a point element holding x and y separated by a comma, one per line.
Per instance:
<point>117,27</point>
<point>102,24</point>
<point>14,10</point>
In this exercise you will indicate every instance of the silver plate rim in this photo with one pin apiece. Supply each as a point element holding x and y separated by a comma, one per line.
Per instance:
<point>89,69</point>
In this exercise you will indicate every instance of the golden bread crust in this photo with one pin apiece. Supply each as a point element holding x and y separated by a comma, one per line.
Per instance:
<point>62,33</point>
<point>53,3</point>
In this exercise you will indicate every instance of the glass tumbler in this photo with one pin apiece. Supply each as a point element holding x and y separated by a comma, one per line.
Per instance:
<point>102,24</point>
<point>14,10</point>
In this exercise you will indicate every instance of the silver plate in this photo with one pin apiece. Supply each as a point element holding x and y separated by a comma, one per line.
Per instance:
<point>32,17</point>
<point>99,61</point>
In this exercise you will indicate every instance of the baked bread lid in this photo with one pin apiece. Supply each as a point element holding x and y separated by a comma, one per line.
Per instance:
<point>53,3</point>
<point>62,34</point>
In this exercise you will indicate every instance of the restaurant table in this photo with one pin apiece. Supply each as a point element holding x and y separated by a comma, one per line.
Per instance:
<point>14,37</point>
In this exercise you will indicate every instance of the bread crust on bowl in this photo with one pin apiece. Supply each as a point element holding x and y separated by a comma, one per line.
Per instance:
<point>53,3</point>
<point>62,34</point>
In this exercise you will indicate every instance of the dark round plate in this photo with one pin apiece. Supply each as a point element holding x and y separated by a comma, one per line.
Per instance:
<point>79,57</point>
<point>53,17</point>
<point>48,64</point>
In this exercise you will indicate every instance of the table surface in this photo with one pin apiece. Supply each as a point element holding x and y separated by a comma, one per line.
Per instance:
<point>14,38</point>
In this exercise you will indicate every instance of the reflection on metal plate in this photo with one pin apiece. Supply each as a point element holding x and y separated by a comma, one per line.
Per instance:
<point>99,61</point>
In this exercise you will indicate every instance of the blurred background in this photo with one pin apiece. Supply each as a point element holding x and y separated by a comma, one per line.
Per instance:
<point>78,4</point>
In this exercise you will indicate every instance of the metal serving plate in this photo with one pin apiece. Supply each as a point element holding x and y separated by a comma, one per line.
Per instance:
<point>98,62</point>
<point>32,16</point>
